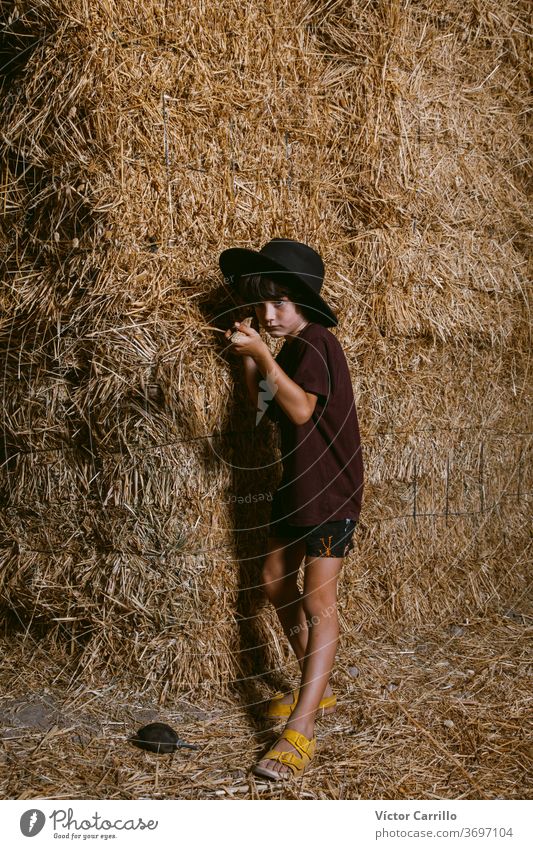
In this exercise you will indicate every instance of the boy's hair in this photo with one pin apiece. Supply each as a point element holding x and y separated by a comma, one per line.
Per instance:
<point>254,288</point>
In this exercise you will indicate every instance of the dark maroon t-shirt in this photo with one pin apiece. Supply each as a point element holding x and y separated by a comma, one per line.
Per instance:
<point>322,463</point>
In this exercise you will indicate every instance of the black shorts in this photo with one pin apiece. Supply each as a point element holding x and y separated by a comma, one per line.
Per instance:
<point>330,539</point>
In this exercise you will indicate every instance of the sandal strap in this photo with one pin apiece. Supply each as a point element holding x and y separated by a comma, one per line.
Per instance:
<point>297,763</point>
<point>326,702</point>
<point>278,709</point>
<point>301,743</point>
<point>280,695</point>
<point>289,759</point>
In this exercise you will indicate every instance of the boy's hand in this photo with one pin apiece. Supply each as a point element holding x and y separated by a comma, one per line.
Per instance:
<point>252,345</point>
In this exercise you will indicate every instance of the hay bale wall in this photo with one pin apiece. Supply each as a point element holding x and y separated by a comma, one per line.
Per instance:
<point>137,143</point>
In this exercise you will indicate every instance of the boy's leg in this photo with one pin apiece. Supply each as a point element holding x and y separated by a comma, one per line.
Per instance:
<point>280,576</point>
<point>280,584</point>
<point>319,605</point>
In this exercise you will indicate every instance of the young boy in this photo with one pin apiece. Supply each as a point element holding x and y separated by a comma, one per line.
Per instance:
<point>319,498</point>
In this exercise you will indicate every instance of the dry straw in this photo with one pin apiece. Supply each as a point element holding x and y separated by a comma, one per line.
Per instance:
<point>138,142</point>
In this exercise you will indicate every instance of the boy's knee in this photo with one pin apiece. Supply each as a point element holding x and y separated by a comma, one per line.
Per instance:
<point>275,581</point>
<point>269,573</point>
<point>271,580</point>
<point>318,606</point>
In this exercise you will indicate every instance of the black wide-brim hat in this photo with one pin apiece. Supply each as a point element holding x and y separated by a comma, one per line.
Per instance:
<point>286,261</point>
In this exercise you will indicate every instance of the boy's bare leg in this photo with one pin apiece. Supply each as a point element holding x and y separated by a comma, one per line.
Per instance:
<point>319,605</point>
<point>320,611</point>
<point>280,575</point>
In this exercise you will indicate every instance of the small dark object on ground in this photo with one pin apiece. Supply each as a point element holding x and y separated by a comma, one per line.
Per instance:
<point>159,738</point>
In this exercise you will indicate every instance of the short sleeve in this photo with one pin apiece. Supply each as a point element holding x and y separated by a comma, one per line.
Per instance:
<point>312,372</point>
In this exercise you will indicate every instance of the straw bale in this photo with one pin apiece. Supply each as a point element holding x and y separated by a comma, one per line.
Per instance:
<point>138,141</point>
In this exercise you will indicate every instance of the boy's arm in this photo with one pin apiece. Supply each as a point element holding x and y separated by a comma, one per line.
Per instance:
<point>252,376</point>
<point>298,404</point>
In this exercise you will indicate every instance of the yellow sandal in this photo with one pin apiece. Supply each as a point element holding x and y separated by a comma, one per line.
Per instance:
<point>280,710</point>
<point>296,763</point>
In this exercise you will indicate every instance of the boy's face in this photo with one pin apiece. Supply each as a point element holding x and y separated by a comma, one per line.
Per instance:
<point>281,317</point>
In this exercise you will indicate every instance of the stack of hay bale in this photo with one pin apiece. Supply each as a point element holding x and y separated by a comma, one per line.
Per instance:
<point>137,143</point>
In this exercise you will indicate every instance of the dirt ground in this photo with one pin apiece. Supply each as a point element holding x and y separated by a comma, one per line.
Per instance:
<point>431,715</point>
